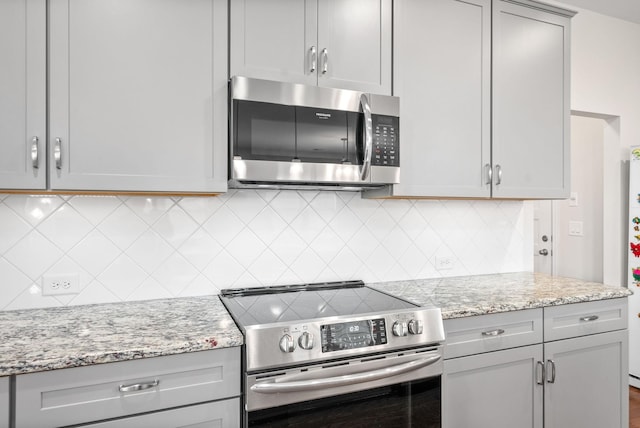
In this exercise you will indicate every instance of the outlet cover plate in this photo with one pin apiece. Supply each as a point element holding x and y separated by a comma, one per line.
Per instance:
<point>53,285</point>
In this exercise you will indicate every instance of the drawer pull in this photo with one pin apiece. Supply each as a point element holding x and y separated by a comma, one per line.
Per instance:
<point>496,332</point>
<point>589,318</point>
<point>138,386</point>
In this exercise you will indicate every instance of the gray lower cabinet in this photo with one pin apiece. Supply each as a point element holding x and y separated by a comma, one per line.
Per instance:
<point>4,401</point>
<point>589,388</point>
<point>219,414</point>
<point>502,372</point>
<point>178,390</point>
<point>494,389</point>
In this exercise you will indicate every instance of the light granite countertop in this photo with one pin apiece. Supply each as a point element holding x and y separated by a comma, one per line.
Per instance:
<point>55,338</point>
<point>486,294</point>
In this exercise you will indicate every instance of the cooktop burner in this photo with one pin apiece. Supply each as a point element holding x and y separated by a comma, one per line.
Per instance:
<point>300,324</point>
<point>302,302</point>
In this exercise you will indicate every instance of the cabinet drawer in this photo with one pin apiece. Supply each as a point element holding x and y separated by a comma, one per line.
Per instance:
<point>485,333</point>
<point>580,319</point>
<point>4,401</point>
<point>85,394</point>
<point>219,414</point>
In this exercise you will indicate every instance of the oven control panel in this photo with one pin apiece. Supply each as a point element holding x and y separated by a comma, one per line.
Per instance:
<point>284,344</point>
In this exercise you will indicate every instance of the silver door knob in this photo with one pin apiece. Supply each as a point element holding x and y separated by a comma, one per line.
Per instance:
<point>544,252</point>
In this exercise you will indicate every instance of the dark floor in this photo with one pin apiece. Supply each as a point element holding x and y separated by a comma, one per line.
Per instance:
<point>634,407</point>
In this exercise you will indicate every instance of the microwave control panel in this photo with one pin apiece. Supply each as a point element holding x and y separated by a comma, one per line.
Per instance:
<point>385,141</point>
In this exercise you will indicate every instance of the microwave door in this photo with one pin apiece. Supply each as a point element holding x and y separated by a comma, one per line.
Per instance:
<point>264,131</point>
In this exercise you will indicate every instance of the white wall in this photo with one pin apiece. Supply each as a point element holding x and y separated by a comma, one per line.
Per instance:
<point>605,82</point>
<point>581,256</point>
<point>132,248</point>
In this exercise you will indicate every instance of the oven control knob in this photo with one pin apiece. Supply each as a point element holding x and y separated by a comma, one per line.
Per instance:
<point>287,344</point>
<point>399,328</point>
<point>415,327</point>
<point>306,340</point>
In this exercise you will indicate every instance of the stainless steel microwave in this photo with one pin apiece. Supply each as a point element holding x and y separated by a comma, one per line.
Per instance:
<point>285,135</point>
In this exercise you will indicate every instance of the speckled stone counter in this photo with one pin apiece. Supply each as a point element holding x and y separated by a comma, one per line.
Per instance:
<point>486,294</point>
<point>54,338</point>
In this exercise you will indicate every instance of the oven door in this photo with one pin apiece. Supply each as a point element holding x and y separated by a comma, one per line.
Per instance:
<point>400,389</point>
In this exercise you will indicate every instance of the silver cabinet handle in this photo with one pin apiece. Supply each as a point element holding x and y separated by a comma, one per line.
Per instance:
<point>499,174</point>
<point>35,161</point>
<point>314,59</point>
<point>590,318</point>
<point>540,373</point>
<point>325,61</point>
<point>543,252</point>
<point>496,332</point>
<point>368,137</point>
<point>553,371</point>
<point>57,153</point>
<point>139,386</point>
<point>350,379</point>
<point>489,170</point>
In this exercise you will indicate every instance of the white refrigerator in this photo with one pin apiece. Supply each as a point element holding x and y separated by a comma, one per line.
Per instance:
<point>633,271</point>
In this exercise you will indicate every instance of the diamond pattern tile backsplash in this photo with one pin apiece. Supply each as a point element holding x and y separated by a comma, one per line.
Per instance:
<point>134,248</point>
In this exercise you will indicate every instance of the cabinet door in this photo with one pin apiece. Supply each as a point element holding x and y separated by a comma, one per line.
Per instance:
<point>4,402</point>
<point>219,414</point>
<point>530,102</point>
<point>442,59</point>
<point>493,390</point>
<point>22,94</point>
<point>590,389</point>
<point>138,92</point>
<point>354,42</point>
<point>274,39</point>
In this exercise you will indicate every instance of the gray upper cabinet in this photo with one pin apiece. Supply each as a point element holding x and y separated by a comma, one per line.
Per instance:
<point>442,64</point>
<point>531,112</point>
<point>484,99</point>
<point>333,43</point>
<point>23,94</point>
<point>138,94</point>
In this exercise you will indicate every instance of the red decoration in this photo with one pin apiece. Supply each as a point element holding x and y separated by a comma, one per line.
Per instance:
<point>635,249</point>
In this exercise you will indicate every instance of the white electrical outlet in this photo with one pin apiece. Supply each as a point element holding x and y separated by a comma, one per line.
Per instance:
<point>443,263</point>
<point>60,284</point>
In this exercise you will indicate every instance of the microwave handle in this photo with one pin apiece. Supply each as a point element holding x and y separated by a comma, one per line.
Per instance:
<point>368,137</point>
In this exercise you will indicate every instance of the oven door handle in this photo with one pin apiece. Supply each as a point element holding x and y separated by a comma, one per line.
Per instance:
<point>350,379</point>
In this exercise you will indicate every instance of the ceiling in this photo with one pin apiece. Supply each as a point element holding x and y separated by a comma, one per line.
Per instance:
<point>628,10</point>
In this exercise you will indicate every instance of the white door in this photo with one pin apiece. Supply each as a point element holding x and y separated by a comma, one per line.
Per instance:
<point>543,236</point>
<point>22,94</point>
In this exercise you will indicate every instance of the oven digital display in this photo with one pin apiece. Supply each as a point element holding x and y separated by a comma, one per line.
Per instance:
<point>352,335</point>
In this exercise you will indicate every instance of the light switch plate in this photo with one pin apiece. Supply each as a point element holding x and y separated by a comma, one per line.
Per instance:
<point>575,228</point>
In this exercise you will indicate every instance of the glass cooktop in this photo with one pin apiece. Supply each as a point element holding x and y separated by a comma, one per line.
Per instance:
<point>266,305</point>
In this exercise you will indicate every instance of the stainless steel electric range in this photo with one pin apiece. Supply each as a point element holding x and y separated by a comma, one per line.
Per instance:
<point>337,354</point>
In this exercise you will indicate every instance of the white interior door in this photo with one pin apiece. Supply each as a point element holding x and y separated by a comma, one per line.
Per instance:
<point>543,236</point>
